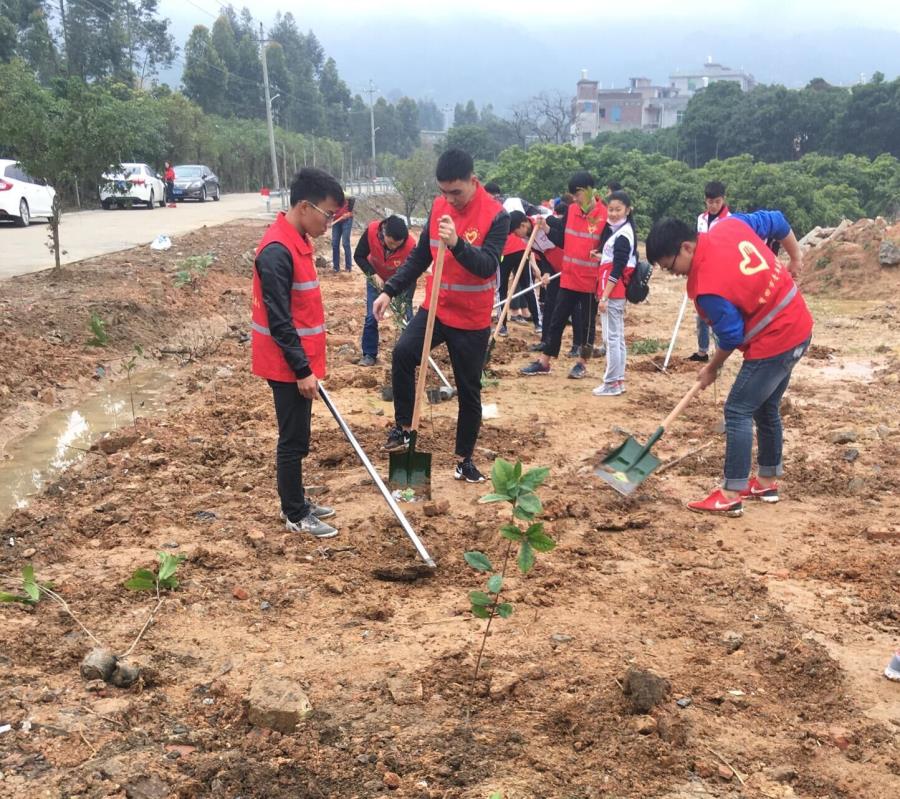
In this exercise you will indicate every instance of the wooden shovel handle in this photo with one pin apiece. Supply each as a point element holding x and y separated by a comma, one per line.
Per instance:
<point>682,404</point>
<point>505,310</point>
<point>429,331</point>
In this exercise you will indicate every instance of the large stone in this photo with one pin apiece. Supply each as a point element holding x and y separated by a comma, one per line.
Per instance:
<point>889,253</point>
<point>645,688</point>
<point>277,704</point>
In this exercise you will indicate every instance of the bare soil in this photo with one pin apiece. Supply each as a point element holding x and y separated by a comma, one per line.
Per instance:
<point>775,626</point>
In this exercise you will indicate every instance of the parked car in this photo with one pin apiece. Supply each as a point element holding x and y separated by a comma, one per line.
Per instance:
<point>195,181</point>
<point>136,183</point>
<point>21,196</point>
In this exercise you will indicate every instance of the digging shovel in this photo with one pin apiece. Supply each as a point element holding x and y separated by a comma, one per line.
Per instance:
<point>523,292</point>
<point>684,303</point>
<point>410,468</point>
<point>392,503</point>
<point>627,466</point>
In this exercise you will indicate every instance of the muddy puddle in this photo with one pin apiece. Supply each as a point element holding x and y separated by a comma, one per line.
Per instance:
<point>849,370</point>
<point>64,436</point>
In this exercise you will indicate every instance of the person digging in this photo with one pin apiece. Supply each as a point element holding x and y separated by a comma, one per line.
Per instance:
<point>474,227</point>
<point>752,303</point>
<point>288,336</point>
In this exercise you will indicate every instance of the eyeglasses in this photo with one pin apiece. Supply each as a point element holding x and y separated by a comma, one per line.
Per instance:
<point>329,215</point>
<point>671,266</point>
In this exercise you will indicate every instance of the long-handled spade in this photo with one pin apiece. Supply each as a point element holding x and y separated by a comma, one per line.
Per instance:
<point>409,468</point>
<point>684,303</point>
<point>523,292</point>
<point>501,320</point>
<point>627,466</point>
<point>392,503</point>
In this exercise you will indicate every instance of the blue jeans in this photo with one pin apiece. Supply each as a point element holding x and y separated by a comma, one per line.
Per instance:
<point>756,397</point>
<point>369,345</point>
<point>702,335</point>
<point>340,234</point>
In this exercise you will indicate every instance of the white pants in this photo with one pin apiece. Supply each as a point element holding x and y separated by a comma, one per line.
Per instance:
<point>614,339</point>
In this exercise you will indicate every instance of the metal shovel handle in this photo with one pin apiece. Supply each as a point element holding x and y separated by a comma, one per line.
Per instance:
<point>675,332</point>
<point>523,292</point>
<point>392,503</point>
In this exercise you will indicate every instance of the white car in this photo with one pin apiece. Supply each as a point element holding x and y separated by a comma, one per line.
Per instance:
<point>21,196</point>
<point>136,183</point>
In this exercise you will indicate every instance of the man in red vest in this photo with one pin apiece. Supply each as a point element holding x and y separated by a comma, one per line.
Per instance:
<point>752,303</point>
<point>383,248</point>
<point>288,331</point>
<point>474,227</point>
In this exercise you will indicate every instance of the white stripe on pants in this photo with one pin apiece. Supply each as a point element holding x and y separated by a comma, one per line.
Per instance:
<point>614,339</point>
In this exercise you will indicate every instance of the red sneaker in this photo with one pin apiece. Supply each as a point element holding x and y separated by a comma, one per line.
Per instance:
<point>755,490</point>
<point>717,502</point>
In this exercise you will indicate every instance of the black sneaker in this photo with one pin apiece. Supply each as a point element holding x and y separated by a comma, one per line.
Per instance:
<point>398,438</point>
<point>539,347</point>
<point>699,357</point>
<point>575,352</point>
<point>466,470</point>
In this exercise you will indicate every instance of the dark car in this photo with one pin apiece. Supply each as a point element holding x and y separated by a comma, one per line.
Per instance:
<point>195,182</point>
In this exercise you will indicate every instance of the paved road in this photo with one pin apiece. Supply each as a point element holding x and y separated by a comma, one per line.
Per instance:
<point>88,233</point>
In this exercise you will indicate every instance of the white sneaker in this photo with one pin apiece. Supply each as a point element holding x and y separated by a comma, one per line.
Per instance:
<point>311,524</point>
<point>609,389</point>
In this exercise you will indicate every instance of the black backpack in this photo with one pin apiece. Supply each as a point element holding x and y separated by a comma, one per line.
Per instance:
<point>638,288</point>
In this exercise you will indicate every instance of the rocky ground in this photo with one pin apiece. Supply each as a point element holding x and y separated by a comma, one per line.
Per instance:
<point>751,648</point>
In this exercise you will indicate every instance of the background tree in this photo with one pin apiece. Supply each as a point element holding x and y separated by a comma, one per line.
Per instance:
<point>414,180</point>
<point>205,74</point>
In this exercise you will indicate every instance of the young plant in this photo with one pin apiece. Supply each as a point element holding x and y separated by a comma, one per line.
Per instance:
<point>97,326</point>
<point>647,346</point>
<point>130,366</point>
<point>518,489</point>
<point>146,580</point>
<point>191,267</point>
<point>30,587</point>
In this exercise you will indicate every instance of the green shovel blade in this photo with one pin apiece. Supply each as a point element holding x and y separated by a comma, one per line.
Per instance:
<point>628,465</point>
<point>408,469</point>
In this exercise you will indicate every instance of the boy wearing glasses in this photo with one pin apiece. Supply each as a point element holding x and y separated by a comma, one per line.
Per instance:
<point>288,335</point>
<point>473,226</point>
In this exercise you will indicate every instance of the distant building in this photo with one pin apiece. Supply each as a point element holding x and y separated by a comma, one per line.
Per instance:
<point>642,105</point>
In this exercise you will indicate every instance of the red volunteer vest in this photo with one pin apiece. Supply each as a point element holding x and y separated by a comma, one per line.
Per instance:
<point>513,244</point>
<point>732,262</point>
<point>554,257</point>
<point>465,301</point>
<point>307,311</point>
<point>606,263</point>
<point>385,265</point>
<point>703,223</point>
<point>579,271</point>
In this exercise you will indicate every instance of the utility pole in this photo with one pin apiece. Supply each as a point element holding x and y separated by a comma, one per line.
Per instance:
<point>265,69</point>
<point>371,92</point>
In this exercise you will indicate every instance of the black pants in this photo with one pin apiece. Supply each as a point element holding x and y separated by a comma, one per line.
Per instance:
<point>529,300</point>
<point>567,301</point>
<point>294,414</point>
<point>508,266</point>
<point>170,191</point>
<point>467,349</point>
<point>589,327</point>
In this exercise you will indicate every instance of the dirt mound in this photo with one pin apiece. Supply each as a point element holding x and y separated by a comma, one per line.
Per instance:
<point>846,261</point>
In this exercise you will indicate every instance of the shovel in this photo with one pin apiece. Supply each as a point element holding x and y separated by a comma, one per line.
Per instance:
<point>392,503</point>
<point>523,292</point>
<point>684,303</point>
<point>410,468</point>
<point>627,466</point>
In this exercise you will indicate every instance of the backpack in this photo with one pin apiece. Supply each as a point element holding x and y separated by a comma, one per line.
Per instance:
<point>638,288</point>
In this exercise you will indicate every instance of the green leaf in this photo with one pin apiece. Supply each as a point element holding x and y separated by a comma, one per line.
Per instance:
<point>517,472</point>
<point>504,610</point>
<point>480,612</point>
<point>526,557</point>
<point>170,583</point>
<point>168,563</point>
<point>34,593</point>
<point>502,475</point>
<point>478,561</point>
<point>495,583</point>
<point>496,795</point>
<point>524,515</point>
<point>480,598</point>
<point>534,478</point>
<point>539,539</point>
<point>28,574</point>
<point>5,597</point>
<point>530,503</point>
<point>141,580</point>
<point>511,532</point>
<point>495,498</point>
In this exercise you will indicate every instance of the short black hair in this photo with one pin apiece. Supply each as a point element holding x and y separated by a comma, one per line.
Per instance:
<point>395,227</point>
<point>516,218</point>
<point>713,189</point>
<point>581,180</point>
<point>666,238</point>
<point>314,185</point>
<point>454,164</point>
<point>492,188</point>
<point>561,208</point>
<point>614,185</point>
<point>622,197</point>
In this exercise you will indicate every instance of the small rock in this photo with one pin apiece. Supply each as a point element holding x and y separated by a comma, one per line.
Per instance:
<point>856,485</point>
<point>405,690</point>
<point>438,508</point>
<point>843,437</point>
<point>47,396</point>
<point>840,737</point>
<point>646,689</point>
<point>158,459</point>
<point>264,605</point>
<point>644,725</point>
<point>561,638</point>
<point>277,704</point>
<point>503,684</point>
<point>725,773</point>
<point>147,788</point>
<point>180,749</point>
<point>705,769</point>
<point>883,431</point>
<point>111,444</point>
<point>684,702</point>
<point>29,553</point>
<point>239,593</point>
<point>125,675</point>
<point>256,535</point>
<point>391,780</point>
<point>732,640</point>
<point>783,773</point>
<point>889,253</point>
<point>333,585</point>
<point>98,664</point>
<point>362,759</point>
<point>850,454</point>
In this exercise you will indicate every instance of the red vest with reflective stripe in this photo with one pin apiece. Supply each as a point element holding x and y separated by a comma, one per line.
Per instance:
<point>465,300</point>
<point>554,257</point>
<point>606,263</point>
<point>579,271</point>
<point>385,266</point>
<point>513,244</point>
<point>307,311</point>
<point>732,262</point>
